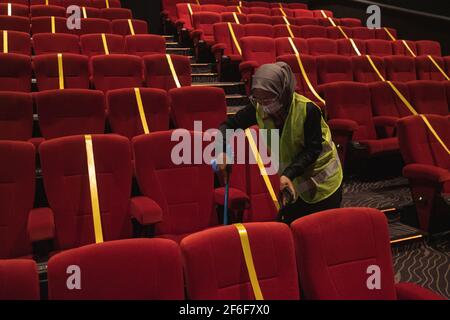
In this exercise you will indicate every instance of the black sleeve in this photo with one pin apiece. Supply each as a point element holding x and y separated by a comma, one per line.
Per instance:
<point>243,119</point>
<point>313,143</point>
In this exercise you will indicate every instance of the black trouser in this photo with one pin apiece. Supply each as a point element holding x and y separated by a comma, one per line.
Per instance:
<point>300,208</point>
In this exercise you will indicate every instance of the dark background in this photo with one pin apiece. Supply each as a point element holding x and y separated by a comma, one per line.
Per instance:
<point>430,22</point>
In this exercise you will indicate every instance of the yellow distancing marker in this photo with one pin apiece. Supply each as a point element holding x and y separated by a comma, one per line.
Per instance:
<point>130,24</point>
<point>438,67</point>
<point>52,21</point>
<point>190,9</point>
<point>428,124</point>
<point>93,190</point>
<point>245,244</point>
<point>105,44</point>
<point>198,2</point>
<point>5,41</point>
<point>303,72</point>
<point>289,29</point>
<point>323,14</point>
<point>84,12</point>
<point>282,11</point>
<point>107,3</point>
<point>9,9</point>
<point>46,2</point>
<point>236,18</point>
<point>60,71</point>
<point>409,49</point>
<point>239,9</point>
<point>233,36</point>
<point>354,46</point>
<point>140,105</point>
<point>369,58</point>
<point>261,167</point>
<point>240,3</point>
<point>389,34</point>
<point>172,70</point>
<point>332,21</point>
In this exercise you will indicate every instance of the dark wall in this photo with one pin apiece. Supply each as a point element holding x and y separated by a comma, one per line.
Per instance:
<point>148,10</point>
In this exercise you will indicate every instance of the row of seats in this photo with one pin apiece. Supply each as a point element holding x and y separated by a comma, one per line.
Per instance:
<point>104,72</point>
<point>210,264</point>
<point>79,111</point>
<point>87,25</point>
<point>88,44</point>
<point>58,11</point>
<point>367,114</point>
<point>66,3</point>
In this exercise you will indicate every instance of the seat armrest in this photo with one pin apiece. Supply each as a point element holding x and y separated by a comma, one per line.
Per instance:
<point>343,125</point>
<point>237,200</point>
<point>426,172</point>
<point>41,224</point>
<point>385,121</point>
<point>145,210</point>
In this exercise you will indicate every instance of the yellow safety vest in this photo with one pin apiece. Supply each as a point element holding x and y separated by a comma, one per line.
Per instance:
<point>322,178</point>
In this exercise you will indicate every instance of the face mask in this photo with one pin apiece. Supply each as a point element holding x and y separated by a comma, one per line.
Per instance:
<point>272,108</point>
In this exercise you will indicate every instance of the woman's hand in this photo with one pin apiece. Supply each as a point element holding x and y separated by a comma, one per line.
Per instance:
<point>285,182</point>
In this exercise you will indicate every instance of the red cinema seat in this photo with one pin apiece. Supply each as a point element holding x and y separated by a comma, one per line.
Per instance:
<point>207,252</point>
<point>258,30</point>
<point>123,111</point>
<point>75,71</point>
<point>44,25</point>
<point>336,33</point>
<point>145,44</point>
<point>346,47</point>
<point>322,46</point>
<point>256,51</point>
<point>15,23</point>
<point>281,12</point>
<point>363,70</point>
<point>50,2</point>
<point>333,68</point>
<point>302,13</point>
<point>105,4</point>
<point>22,2</point>
<point>427,167</point>
<point>261,4</point>
<point>92,44</point>
<point>399,48</point>
<point>15,72</point>
<point>16,116</point>
<point>281,31</point>
<point>70,112</point>
<point>79,3</point>
<point>310,66</point>
<point>284,46</point>
<point>17,194</point>
<point>116,71</point>
<point>230,17</point>
<point>259,10</point>
<point>306,21</point>
<point>19,279</point>
<point>56,43</point>
<point>224,41</point>
<point>17,42</point>
<point>349,107</point>
<point>116,13</point>
<point>429,97</point>
<point>122,26</point>
<point>259,19</point>
<point>387,107</point>
<point>379,48</point>
<point>282,20</point>
<point>47,11</point>
<point>295,6</point>
<point>212,7</point>
<point>158,75</point>
<point>348,263</point>
<point>89,12</point>
<point>66,180</point>
<point>205,104</point>
<point>363,33</point>
<point>184,18</point>
<point>427,70</point>
<point>383,35</point>
<point>322,13</point>
<point>184,190</point>
<point>313,32</point>
<point>426,47</point>
<point>14,9</point>
<point>93,25</point>
<point>325,22</point>
<point>133,269</point>
<point>400,68</point>
<point>350,22</point>
<point>203,27</point>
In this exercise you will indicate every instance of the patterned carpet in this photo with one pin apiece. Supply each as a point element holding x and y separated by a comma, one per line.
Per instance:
<point>418,262</point>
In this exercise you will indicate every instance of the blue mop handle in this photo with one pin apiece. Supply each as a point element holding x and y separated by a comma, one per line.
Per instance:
<point>215,168</point>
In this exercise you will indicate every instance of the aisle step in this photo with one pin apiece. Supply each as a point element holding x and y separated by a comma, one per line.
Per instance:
<point>236,100</point>
<point>203,67</point>
<point>228,87</point>
<point>207,77</point>
<point>185,51</point>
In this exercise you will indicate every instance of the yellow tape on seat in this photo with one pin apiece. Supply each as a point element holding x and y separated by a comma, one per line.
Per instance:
<point>239,9</point>
<point>342,31</point>
<point>140,105</point>
<point>323,14</point>
<point>332,21</point>
<point>354,46</point>
<point>438,67</point>
<point>198,2</point>
<point>9,9</point>
<point>245,244</point>
<point>107,3</point>
<point>233,36</point>
<point>105,44</point>
<point>130,24</point>
<point>84,12</point>
<point>303,72</point>
<point>46,2</point>
<point>282,11</point>
<point>52,21</point>
<point>289,29</point>
<point>389,34</point>
<point>190,9</point>
<point>60,71</point>
<point>375,68</point>
<point>93,190</point>
<point>236,18</point>
<point>261,167</point>
<point>173,71</point>
<point>409,49</point>
<point>428,124</point>
<point>5,41</point>
<point>402,98</point>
